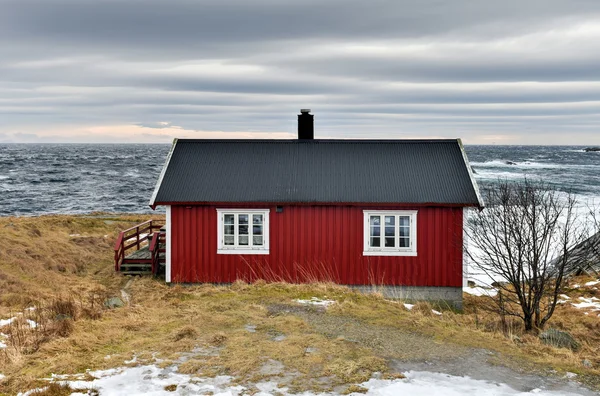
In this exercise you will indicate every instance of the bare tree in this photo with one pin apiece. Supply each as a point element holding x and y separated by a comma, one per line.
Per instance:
<point>524,238</point>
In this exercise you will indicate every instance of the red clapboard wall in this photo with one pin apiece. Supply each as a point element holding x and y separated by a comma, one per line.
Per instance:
<point>309,243</point>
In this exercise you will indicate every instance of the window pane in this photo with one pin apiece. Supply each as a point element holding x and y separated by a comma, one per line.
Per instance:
<point>243,240</point>
<point>390,242</point>
<point>390,220</point>
<point>243,230</point>
<point>257,240</point>
<point>229,219</point>
<point>404,231</point>
<point>229,239</point>
<point>375,231</point>
<point>257,219</point>
<point>243,219</point>
<point>375,242</point>
<point>404,221</point>
<point>390,231</point>
<point>375,220</point>
<point>257,230</point>
<point>404,242</point>
<point>229,229</point>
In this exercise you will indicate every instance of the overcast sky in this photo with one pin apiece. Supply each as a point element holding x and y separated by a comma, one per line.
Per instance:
<point>491,72</point>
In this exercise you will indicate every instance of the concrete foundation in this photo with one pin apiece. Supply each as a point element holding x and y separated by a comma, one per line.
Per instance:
<point>453,296</point>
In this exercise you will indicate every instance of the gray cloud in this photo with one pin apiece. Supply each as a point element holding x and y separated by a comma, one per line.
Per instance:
<point>383,68</point>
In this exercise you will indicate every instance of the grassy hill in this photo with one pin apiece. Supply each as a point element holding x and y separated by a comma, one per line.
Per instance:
<point>57,271</point>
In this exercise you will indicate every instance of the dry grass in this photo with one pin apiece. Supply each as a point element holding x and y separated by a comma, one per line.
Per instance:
<point>212,330</point>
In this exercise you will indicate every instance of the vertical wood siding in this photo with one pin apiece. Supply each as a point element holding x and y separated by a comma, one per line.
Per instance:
<point>318,243</point>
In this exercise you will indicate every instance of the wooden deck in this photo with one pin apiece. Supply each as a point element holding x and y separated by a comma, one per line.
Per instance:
<point>140,250</point>
<point>143,254</point>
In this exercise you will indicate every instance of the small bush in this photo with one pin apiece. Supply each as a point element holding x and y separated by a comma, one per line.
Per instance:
<point>63,327</point>
<point>218,339</point>
<point>185,332</point>
<point>63,308</point>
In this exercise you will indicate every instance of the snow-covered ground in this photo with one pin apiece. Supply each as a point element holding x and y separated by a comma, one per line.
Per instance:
<point>152,380</point>
<point>592,302</point>
<point>316,301</point>
<point>480,291</point>
<point>6,322</point>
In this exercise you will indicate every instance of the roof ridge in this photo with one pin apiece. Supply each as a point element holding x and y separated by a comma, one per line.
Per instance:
<point>194,140</point>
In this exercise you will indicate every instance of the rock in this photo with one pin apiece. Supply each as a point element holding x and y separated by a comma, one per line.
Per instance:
<point>586,363</point>
<point>114,302</point>
<point>559,339</point>
<point>471,283</point>
<point>510,163</point>
<point>570,375</point>
<point>590,149</point>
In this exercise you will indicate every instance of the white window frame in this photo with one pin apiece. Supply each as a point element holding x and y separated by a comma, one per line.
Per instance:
<point>229,249</point>
<point>390,251</point>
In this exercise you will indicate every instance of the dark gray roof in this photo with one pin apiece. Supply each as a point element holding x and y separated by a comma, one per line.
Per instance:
<point>317,171</point>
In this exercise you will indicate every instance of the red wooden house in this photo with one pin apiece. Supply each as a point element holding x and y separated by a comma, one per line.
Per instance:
<point>366,213</point>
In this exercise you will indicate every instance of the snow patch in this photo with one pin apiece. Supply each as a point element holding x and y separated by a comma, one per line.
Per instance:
<point>592,283</point>
<point>480,291</point>
<point>2,376</point>
<point>6,322</point>
<point>145,380</point>
<point>316,301</point>
<point>409,306</point>
<point>591,302</point>
<point>436,312</point>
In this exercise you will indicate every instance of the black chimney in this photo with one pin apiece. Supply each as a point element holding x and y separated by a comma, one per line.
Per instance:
<point>306,125</point>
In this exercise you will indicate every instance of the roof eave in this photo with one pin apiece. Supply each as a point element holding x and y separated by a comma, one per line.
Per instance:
<point>314,203</point>
<point>153,202</point>
<point>480,203</point>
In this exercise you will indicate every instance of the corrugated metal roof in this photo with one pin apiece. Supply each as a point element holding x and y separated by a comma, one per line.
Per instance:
<point>317,171</point>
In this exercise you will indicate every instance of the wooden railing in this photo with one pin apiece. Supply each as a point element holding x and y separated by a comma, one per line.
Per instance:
<point>157,246</point>
<point>133,237</point>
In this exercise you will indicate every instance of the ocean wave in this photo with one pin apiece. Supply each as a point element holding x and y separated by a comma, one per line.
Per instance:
<point>85,178</point>
<point>531,165</point>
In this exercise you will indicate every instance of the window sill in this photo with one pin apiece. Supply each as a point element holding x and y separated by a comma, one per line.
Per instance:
<point>389,253</point>
<point>242,251</point>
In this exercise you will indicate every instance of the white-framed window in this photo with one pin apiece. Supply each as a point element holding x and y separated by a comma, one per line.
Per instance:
<point>390,233</point>
<point>243,231</point>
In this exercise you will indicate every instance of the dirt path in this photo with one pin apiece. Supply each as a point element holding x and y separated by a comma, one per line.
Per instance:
<point>477,365</point>
<point>408,351</point>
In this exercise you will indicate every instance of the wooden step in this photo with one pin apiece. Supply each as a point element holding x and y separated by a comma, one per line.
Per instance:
<point>136,272</point>
<point>136,265</point>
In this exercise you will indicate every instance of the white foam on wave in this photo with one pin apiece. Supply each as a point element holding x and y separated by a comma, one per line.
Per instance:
<point>530,165</point>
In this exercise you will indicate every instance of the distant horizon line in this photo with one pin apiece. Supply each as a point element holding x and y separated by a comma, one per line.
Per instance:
<point>170,143</point>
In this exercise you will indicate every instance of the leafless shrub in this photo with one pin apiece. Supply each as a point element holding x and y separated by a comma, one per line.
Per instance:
<point>526,236</point>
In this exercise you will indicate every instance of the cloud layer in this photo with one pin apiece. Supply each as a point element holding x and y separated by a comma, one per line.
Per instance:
<point>146,70</point>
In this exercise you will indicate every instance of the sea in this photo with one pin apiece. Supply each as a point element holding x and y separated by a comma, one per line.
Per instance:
<point>38,179</point>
